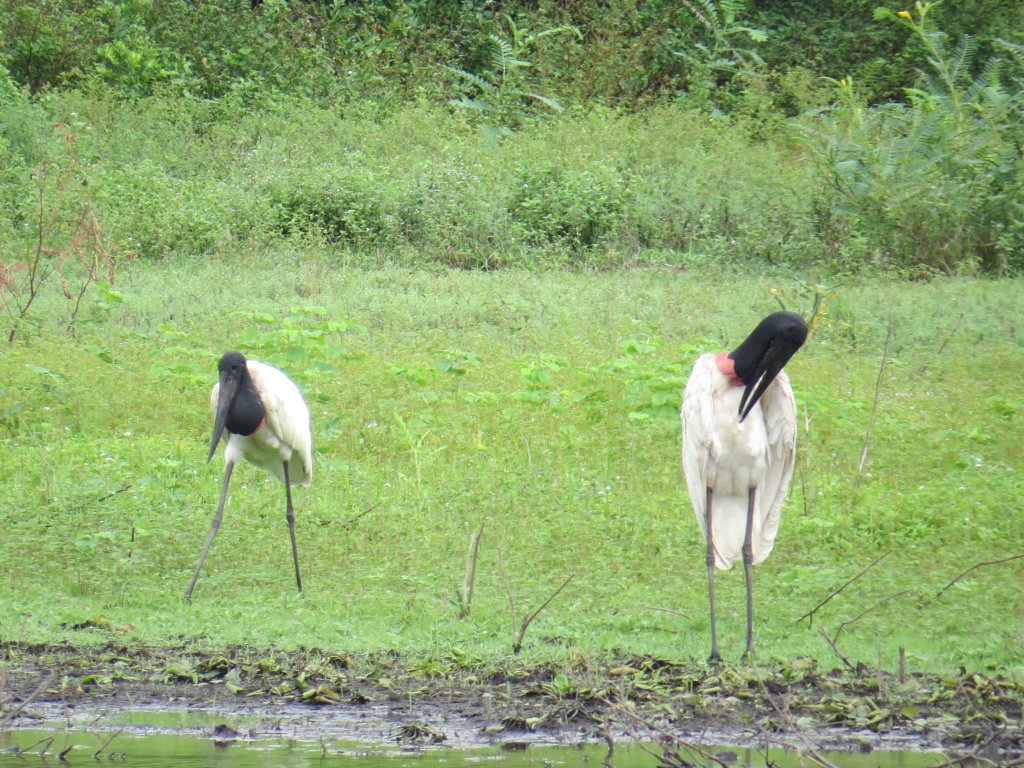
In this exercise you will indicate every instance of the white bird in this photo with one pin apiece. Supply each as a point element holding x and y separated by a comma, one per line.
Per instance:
<point>739,445</point>
<point>268,425</point>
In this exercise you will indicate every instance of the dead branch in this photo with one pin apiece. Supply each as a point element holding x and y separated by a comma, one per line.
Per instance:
<point>469,578</point>
<point>46,741</point>
<point>528,619</point>
<point>664,738</point>
<point>39,690</point>
<point>508,587</point>
<point>974,567</point>
<point>874,402</point>
<point>673,611</point>
<point>792,725</point>
<point>868,610</point>
<point>106,743</point>
<point>942,347</point>
<point>835,648</point>
<point>810,614</point>
<point>348,523</point>
<point>975,756</point>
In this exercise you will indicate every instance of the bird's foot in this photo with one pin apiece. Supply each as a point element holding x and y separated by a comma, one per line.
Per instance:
<point>715,657</point>
<point>748,656</point>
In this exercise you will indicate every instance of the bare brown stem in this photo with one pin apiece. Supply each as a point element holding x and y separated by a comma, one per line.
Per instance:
<point>106,743</point>
<point>673,611</point>
<point>39,690</point>
<point>975,567</point>
<point>469,577</point>
<point>810,614</point>
<point>868,610</point>
<point>835,648</point>
<point>874,402</point>
<point>528,618</point>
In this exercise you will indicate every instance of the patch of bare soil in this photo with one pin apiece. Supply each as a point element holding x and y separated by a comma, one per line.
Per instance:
<point>461,701</point>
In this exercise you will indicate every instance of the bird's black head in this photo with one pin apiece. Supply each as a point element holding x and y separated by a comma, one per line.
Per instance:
<point>238,405</point>
<point>231,361</point>
<point>764,352</point>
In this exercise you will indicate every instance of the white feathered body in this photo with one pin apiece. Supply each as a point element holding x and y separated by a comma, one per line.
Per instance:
<point>285,435</point>
<point>730,458</point>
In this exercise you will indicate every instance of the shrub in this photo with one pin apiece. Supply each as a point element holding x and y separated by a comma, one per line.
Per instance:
<point>340,204</point>
<point>936,181</point>
<point>579,205</point>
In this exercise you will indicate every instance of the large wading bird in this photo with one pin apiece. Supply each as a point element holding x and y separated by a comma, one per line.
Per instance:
<point>739,445</point>
<point>267,422</point>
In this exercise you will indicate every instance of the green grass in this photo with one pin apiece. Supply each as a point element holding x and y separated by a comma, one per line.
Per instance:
<point>543,403</point>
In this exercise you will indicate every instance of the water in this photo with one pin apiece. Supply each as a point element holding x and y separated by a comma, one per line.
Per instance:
<point>236,734</point>
<point>134,746</point>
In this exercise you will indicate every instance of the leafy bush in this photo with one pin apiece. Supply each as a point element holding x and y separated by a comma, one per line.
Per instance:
<point>338,204</point>
<point>936,182</point>
<point>581,206</point>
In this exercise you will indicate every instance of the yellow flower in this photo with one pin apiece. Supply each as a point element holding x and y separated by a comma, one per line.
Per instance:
<point>904,15</point>
<point>842,83</point>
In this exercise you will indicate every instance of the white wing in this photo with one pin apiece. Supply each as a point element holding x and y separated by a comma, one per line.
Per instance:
<point>699,439</point>
<point>779,408</point>
<point>287,416</point>
<point>703,449</point>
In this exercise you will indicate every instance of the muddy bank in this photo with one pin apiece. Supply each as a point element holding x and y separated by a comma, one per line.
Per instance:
<point>461,701</point>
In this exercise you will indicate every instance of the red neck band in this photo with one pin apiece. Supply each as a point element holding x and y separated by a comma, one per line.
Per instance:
<point>727,367</point>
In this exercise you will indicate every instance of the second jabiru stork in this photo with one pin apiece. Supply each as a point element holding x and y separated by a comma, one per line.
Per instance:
<point>268,424</point>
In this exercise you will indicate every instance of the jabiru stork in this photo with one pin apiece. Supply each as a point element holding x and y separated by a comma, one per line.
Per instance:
<point>268,424</point>
<point>739,446</point>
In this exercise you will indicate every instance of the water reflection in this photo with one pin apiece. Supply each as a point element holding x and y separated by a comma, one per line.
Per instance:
<point>228,750</point>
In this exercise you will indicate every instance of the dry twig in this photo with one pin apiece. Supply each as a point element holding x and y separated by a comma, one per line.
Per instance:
<point>975,566</point>
<point>810,614</point>
<point>868,610</point>
<point>835,648</point>
<point>469,578</point>
<point>665,740</point>
<point>874,402</point>
<point>528,619</point>
<point>39,690</point>
<point>106,743</point>
<point>673,611</point>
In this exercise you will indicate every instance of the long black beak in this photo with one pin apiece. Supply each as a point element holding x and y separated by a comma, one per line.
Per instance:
<point>768,367</point>
<point>228,389</point>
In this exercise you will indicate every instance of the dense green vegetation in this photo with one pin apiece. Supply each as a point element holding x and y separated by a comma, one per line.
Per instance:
<point>488,240</point>
<point>458,134</point>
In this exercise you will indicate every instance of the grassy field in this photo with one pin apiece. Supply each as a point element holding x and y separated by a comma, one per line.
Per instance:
<point>543,404</point>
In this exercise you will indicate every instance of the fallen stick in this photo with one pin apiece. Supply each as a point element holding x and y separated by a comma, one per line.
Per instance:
<point>974,567</point>
<point>868,610</point>
<point>810,614</point>
<point>469,578</point>
<point>107,743</point>
<point>874,403</point>
<point>9,716</point>
<point>528,619</point>
<point>835,648</point>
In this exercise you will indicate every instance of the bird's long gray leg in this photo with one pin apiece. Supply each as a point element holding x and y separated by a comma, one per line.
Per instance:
<point>748,569</point>
<point>291,527</point>
<point>213,530</point>
<point>711,577</point>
